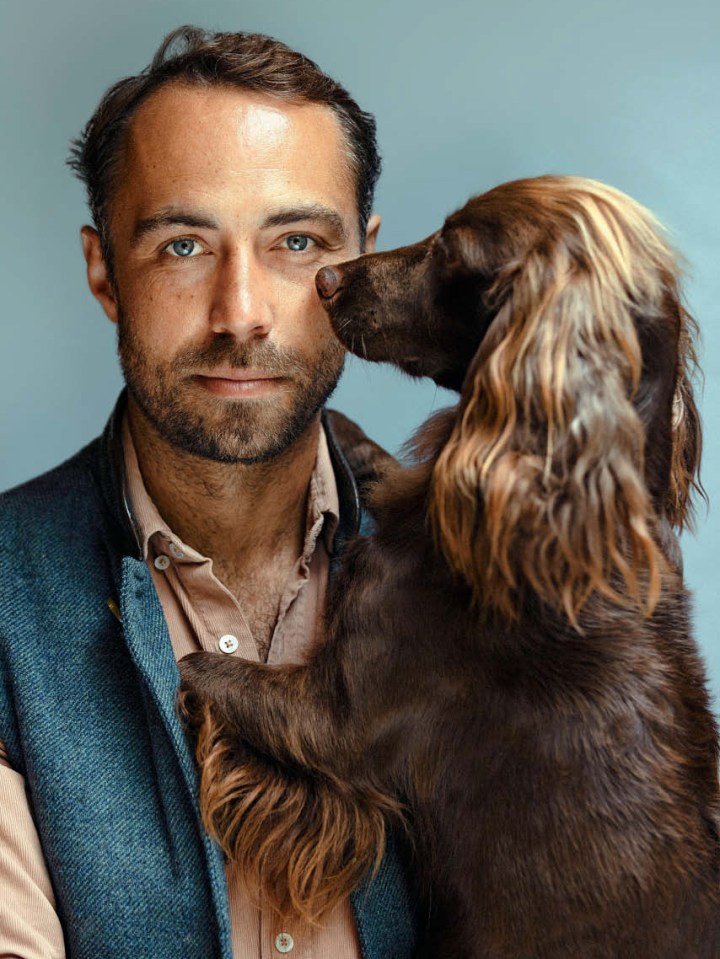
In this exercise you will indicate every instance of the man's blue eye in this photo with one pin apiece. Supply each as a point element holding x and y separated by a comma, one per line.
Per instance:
<point>297,242</point>
<point>183,247</point>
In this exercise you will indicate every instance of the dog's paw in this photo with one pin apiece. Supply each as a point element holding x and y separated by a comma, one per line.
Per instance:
<point>200,682</point>
<point>368,460</point>
<point>211,683</point>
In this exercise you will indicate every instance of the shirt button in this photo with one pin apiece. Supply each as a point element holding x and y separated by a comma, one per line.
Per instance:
<point>284,942</point>
<point>228,644</point>
<point>162,561</point>
<point>176,551</point>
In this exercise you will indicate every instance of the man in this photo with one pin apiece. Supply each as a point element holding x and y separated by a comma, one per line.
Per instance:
<point>209,515</point>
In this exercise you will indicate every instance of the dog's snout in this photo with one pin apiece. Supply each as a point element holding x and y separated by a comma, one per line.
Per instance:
<point>327,282</point>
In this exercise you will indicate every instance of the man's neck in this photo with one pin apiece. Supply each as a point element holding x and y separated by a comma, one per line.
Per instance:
<point>236,514</point>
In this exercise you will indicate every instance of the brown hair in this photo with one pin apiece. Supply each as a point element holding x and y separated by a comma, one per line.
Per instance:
<point>250,61</point>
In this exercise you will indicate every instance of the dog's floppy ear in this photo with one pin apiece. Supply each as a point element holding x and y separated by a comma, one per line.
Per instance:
<point>686,432</point>
<point>542,482</point>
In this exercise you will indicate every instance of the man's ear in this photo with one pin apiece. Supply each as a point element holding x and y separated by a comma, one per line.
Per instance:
<point>372,232</point>
<point>98,276</point>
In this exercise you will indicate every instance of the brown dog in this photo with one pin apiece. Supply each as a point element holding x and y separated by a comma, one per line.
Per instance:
<point>509,655</point>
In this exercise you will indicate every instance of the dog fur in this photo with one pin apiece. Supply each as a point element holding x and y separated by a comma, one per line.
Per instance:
<point>510,670</point>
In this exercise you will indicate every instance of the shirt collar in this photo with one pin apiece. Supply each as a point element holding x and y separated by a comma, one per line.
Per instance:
<point>323,501</point>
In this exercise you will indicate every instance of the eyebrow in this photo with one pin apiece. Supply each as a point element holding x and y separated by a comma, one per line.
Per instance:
<point>296,214</point>
<point>308,211</point>
<point>165,218</point>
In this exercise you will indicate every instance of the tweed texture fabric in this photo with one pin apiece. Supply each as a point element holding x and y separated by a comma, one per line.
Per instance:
<point>87,715</point>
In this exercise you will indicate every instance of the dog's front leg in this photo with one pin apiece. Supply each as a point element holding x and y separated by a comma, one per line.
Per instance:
<point>284,786</point>
<point>294,714</point>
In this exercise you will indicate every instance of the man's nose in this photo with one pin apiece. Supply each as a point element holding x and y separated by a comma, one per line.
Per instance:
<point>327,282</point>
<point>241,301</point>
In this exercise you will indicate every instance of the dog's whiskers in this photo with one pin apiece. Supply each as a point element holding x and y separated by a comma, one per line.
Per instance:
<point>343,325</point>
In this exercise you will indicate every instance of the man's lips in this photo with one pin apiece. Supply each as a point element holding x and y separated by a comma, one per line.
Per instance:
<point>245,382</point>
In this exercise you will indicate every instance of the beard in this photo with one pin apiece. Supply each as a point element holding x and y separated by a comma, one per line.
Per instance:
<point>252,430</point>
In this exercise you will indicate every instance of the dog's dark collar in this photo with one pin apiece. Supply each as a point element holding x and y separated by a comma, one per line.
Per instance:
<point>122,528</point>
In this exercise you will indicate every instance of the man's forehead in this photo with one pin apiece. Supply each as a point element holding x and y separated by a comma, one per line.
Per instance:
<point>217,126</point>
<point>229,152</point>
<point>182,112</point>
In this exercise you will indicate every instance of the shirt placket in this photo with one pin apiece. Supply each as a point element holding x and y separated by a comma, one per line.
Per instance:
<point>203,614</point>
<point>213,613</point>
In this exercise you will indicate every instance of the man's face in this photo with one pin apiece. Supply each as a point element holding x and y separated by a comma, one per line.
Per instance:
<point>228,203</point>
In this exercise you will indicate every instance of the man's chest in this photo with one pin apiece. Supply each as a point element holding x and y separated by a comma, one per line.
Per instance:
<point>271,610</point>
<point>260,599</point>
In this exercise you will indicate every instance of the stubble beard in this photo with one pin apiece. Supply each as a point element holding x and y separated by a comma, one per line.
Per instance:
<point>243,431</point>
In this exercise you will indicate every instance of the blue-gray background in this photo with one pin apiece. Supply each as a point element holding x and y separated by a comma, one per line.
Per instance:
<point>467,94</point>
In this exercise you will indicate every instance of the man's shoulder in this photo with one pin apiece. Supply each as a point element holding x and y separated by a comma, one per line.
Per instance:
<point>49,497</point>
<point>54,567</point>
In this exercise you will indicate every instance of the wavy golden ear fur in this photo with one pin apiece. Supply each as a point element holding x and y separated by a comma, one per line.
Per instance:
<point>542,483</point>
<point>687,433</point>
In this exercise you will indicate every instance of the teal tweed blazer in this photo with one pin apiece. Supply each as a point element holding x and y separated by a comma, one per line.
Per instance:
<point>87,714</point>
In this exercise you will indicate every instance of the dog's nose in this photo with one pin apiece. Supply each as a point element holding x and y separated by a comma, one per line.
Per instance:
<point>327,282</point>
